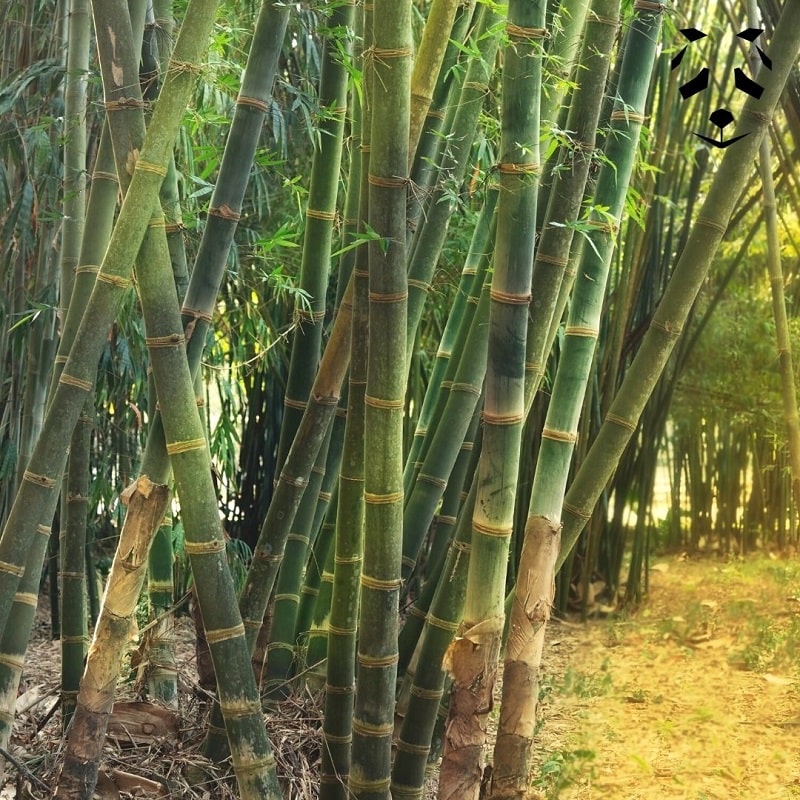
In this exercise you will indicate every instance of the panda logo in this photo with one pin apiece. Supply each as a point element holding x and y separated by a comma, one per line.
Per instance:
<point>722,117</point>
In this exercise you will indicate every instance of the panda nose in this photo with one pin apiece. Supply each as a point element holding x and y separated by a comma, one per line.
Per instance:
<point>721,118</point>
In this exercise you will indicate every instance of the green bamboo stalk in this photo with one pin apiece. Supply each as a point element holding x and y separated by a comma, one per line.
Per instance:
<point>339,635</point>
<point>535,584</point>
<point>320,215</point>
<point>447,437</point>
<point>475,652</point>
<point>428,678</point>
<point>36,498</point>
<point>553,256</point>
<point>455,159</point>
<point>468,289</point>
<point>76,485</point>
<point>427,153</point>
<point>427,64</point>
<point>290,486</point>
<point>713,218</point>
<point>384,402</point>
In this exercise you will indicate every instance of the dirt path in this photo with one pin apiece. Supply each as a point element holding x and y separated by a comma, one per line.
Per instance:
<point>696,696</point>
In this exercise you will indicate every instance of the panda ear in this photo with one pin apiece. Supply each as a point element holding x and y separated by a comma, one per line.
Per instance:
<point>692,34</point>
<point>750,34</point>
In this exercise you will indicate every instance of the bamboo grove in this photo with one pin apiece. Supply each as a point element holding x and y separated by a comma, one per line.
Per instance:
<point>378,328</point>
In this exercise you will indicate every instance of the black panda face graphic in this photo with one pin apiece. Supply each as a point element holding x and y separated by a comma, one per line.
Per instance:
<point>721,117</point>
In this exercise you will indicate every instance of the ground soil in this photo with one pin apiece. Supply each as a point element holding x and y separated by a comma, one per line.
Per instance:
<point>694,695</point>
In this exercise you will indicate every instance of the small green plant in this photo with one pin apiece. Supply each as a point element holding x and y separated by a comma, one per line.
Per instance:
<point>561,769</point>
<point>586,685</point>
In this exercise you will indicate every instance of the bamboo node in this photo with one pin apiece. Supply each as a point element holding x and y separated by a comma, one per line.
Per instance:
<point>378,402</point>
<point>340,690</point>
<point>196,313</point>
<point>391,182</point>
<point>407,747</point>
<point>289,402</point>
<point>443,624</point>
<point>174,227</point>
<point>160,586</point>
<point>325,497</point>
<point>621,421</point>
<point>333,738</point>
<point>74,639</point>
<point>469,388</point>
<point>711,223</point>
<point>491,530</point>
<point>157,222</point>
<point>502,419</point>
<point>253,102</point>
<point>514,168</point>
<point>176,448</point>
<point>614,21</point>
<point>287,597</point>
<point>115,280</point>
<point>648,5</point>
<point>310,316</point>
<point>627,116</point>
<point>223,634</point>
<point>155,169</point>
<point>476,86</point>
<point>39,480</point>
<point>409,562</point>
<point>99,174</point>
<point>327,216</point>
<point>433,480</point>
<point>298,482</point>
<point>377,662</point>
<point>379,53</point>
<point>225,212</point>
<point>297,537</point>
<point>559,436</point>
<point>379,585</point>
<point>205,548</point>
<point>71,380</point>
<point>578,330</point>
<point>544,258</point>
<point>241,708</point>
<point>14,663</point>
<point>363,786</point>
<point>27,598</point>
<point>423,286</point>
<point>446,519</point>
<point>416,612</point>
<point>519,32</point>
<point>173,340</point>
<point>60,359</point>
<point>347,559</point>
<point>74,575</point>
<point>44,530</point>
<point>436,114</point>
<point>12,569</point>
<point>182,67</point>
<point>381,297</point>
<point>382,499</point>
<point>253,765</point>
<point>575,511</point>
<point>87,269</point>
<point>337,631</point>
<point>123,104</point>
<point>668,327</point>
<point>509,298</point>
